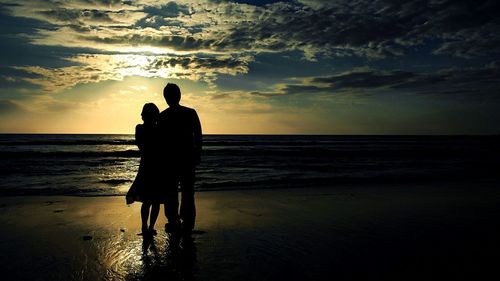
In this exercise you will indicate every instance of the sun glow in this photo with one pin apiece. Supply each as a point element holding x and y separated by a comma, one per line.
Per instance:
<point>140,65</point>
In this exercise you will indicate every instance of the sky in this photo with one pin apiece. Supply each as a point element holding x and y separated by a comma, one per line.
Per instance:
<point>252,67</point>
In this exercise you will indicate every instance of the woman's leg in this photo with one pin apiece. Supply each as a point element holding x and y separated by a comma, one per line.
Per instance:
<point>155,210</point>
<point>144,216</point>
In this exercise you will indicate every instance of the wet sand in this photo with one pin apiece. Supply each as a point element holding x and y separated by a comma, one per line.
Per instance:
<point>385,232</point>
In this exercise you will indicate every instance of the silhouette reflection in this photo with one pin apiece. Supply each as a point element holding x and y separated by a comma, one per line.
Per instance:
<point>177,261</point>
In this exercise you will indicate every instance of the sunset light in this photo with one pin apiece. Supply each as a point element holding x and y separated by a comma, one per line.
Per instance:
<point>284,67</point>
<point>294,140</point>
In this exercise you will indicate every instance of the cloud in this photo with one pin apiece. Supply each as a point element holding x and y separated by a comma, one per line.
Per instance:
<point>140,38</point>
<point>169,10</point>
<point>94,68</point>
<point>472,82</point>
<point>221,64</point>
<point>66,15</point>
<point>365,79</point>
<point>373,29</point>
<point>88,19</point>
<point>200,40</point>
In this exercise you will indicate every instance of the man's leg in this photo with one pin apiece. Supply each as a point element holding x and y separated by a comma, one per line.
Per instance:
<point>155,210</point>
<point>172,203</point>
<point>188,208</point>
<point>144,216</point>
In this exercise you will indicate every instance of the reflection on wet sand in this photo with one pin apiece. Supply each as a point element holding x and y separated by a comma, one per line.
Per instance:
<point>169,257</point>
<point>367,233</point>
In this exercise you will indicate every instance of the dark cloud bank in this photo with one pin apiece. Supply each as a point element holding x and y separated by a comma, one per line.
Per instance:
<point>372,30</point>
<point>479,81</point>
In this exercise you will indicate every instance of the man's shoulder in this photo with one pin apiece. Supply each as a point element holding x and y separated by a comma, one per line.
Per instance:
<point>177,113</point>
<point>179,109</point>
<point>185,108</point>
<point>190,111</point>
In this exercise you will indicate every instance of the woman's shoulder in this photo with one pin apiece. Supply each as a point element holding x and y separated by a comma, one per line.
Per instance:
<point>147,131</point>
<point>139,127</point>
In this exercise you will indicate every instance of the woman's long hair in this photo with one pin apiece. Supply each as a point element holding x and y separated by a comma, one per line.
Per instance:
<point>150,112</point>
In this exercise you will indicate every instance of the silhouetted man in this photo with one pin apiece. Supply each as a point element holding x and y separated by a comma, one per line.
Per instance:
<point>181,131</point>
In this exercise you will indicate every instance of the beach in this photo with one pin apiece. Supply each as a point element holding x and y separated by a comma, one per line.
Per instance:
<point>323,140</point>
<point>375,232</point>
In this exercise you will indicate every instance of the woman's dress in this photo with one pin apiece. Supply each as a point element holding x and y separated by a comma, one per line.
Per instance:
<point>147,185</point>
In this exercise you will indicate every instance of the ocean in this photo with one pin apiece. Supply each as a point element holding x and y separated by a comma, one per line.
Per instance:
<point>90,165</point>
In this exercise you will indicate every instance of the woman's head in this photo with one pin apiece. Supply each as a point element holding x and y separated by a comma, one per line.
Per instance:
<point>150,112</point>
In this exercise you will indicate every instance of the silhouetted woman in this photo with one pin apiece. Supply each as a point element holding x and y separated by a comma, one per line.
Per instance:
<point>146,187</point>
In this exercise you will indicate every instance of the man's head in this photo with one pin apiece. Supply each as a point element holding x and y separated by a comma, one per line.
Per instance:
<point>172,94</point>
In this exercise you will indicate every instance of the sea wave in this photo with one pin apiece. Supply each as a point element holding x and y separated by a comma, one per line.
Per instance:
<point>66,154</point>
<point>67,142</point>
<point>71,167</point>
<point>282,151</point>
<point>247,140</point>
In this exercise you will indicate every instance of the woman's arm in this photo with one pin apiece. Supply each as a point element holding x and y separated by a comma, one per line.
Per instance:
<point>139,136</point>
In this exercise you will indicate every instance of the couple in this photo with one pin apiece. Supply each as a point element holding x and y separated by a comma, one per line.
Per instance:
<point>170,147</point>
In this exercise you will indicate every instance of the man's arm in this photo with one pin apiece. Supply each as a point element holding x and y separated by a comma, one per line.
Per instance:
<point>197,135</point>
